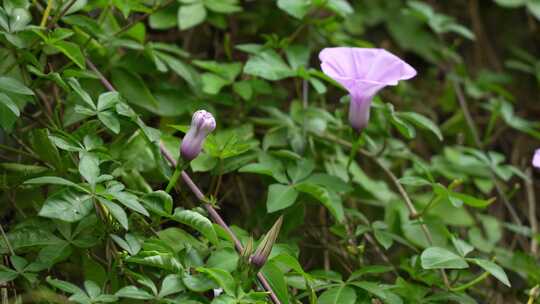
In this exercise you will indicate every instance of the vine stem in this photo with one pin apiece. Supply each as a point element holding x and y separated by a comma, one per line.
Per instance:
<point>198,194</point>
<point>216,218</point>
<point>61,14</point>
<point>8,244</point>
<point>470,284</point>
<point>413,213</point>
<point>46,14</point>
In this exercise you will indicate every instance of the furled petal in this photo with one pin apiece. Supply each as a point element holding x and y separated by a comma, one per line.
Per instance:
<point>202,124</point>
<point>536,158</point>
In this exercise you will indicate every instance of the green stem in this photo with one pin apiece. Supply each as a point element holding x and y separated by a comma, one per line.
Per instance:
<point>177,171</point>
<point>46,14</point>
<point>352,155</point>
<point>470,284</point>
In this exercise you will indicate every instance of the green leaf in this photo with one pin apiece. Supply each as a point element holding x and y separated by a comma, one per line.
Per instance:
<point>72,51</point>
<point>533,6</point>
<point>298,56</point>
<point>329,199</point>
<point>341,7</point>
<point>280,197</point>
<point>470,200</point>
<point>268,65</point>
<point>130,244</point>
<point>52,180</point>
<point>7,274</point>
<point>462,247</point>
<point>74,84</point>
<point>186,71</point>
<point>191,15</point>
<point>226,259</point>
<point>130,200</point>
<point>133,88</point>
<point>276,279</point>
<point>338,295</point>
<point>440,258</point>
<point>65,143</point>
<point>12,85</point>
<point>223,6</point>
<point>212,83</point>
<point>379,291</point>
<point>6,101</point>
<point>108,100</point>
<point>422,122</point>
<point>511,3</point>
<point>89,167</point>
<point>295,8</point>
<point>7,118</point>
<point>370,269</point>
<point>67,205</point>
<point>64,286</point>
<point>196,221</point>
<point>171,284</point>
<point>118,213</point>
<point>110,120</point>
<point>227,71</point>
<point>29,237</point>
<point>402,126</point>
<point>159,202</point>
<point>198,282</point>
<point>300,170</point>
<point>164,18</point>
<point>133,292</point>
<point>381,235</point>
<point>243,89</point>
<point>222,277</point>
<point>414,181</point>
<point>494,269</point>
<point>163,260</point>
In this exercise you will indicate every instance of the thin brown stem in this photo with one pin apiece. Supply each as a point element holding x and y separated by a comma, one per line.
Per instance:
<point>474,131</point>
<point>62,13</point>
<point>6,240</point>
<point>413,213</point>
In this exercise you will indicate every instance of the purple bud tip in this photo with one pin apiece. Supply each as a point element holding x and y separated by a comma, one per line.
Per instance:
<point>258,259</point>
<point>202,124</point>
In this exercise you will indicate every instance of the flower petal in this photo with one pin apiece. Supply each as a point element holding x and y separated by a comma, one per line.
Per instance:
<point>363,72</point>
<point>536,158</point>
<point>367,64</point>
<point>359,111</point>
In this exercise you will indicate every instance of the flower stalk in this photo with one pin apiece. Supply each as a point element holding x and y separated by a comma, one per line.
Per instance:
<point>181,166</point>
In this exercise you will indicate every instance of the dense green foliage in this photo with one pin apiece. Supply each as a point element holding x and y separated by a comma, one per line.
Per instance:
<point>434,202</point>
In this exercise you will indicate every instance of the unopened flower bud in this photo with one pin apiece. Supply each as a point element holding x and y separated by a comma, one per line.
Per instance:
<point>202,124</point>
<point>258,259</point>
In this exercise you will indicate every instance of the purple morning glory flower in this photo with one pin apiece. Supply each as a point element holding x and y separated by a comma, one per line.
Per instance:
<point>536,158</point>
<point>202,124</point>
<point>363,72</point>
